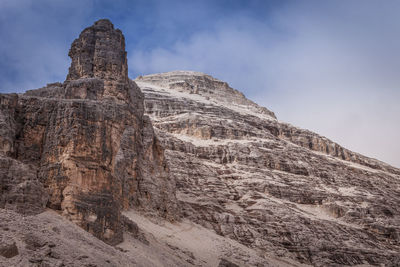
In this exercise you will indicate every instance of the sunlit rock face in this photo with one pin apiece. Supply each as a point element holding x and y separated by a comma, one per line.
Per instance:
<point>84,146</point>
<point>267,184</point>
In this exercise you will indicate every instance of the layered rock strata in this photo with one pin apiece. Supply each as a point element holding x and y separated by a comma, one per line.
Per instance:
<point>269,185</point>
<point>84,147</point>
<point>277,195</point>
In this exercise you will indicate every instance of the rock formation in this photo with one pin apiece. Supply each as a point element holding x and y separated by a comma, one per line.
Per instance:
<point>267,184</point>
<point>84,147</point>
<point>218,181</point>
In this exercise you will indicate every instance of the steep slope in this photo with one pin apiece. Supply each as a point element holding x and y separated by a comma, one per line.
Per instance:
<point>49,239</point>
<point>217,181</point>
<point>267,184</point>
<point>84,147</point>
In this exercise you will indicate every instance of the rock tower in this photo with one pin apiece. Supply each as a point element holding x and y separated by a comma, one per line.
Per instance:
<point>84,147</point>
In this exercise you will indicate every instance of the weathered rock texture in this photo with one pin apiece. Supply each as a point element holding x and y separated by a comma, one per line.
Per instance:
<point>277,195</point>
<point>48,239</point>
<point>267,184</point>
<point>84,147</point>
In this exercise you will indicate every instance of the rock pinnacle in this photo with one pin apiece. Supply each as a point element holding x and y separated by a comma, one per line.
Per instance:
<point>99,52</point>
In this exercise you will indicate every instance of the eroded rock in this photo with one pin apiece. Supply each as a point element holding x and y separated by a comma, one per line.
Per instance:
<point>84,146</point>
<point>269,185</point>
<point>8,249</point>
<point>226,263</point>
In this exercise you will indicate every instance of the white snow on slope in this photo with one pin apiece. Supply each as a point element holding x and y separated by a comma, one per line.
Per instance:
<point>174,93</point>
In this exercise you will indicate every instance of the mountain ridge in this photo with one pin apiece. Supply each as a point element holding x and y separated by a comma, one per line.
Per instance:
<point>179,169</point>
<point>191,74</point>
<point>269,185</point>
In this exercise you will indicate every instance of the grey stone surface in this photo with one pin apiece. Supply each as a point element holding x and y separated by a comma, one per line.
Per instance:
<point>271,186</point>
<point>8,249</point>
<point>276,195</point>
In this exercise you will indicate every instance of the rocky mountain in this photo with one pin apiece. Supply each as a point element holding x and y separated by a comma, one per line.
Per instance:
<point>269,185</point>
<point>179,169</point>
<point>84,147</point>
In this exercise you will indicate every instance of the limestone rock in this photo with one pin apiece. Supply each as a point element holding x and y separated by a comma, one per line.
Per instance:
<point>8,249</point>
<point>99,52</point>
<point>84,146</point>
<point>269,185</point>
<point>226,263</point>
<point>47,239</point>
<point>20,188</point>
<point>253,191</point>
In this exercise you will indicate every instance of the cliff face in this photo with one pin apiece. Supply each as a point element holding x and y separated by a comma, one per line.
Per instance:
<point>267,184</point>
<point>84,147</point>
<point>276,195</point>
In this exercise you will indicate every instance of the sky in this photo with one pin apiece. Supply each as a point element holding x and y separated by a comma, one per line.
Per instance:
<point>328,66</point>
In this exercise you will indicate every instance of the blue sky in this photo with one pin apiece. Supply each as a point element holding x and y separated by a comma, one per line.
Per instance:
<point>328,66</point>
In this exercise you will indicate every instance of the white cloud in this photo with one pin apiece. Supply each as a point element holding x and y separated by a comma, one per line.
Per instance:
<point>35,41</point>
<point>331,69</point>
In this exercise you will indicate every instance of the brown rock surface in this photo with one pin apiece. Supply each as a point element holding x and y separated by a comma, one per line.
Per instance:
<point>84,147</point>
<point>252,191</point>
<point>269,185</point>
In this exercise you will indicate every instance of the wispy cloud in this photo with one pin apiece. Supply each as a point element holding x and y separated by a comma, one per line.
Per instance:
<point>329,68</point>
<point>35,41</point>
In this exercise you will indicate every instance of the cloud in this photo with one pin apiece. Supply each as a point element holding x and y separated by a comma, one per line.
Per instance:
<point>36,41</point>
<point>329,68</point>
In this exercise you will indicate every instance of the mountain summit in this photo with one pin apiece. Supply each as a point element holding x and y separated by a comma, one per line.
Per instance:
<point>267,184</point>
<point>99,52</point>
<point>179,169</point>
